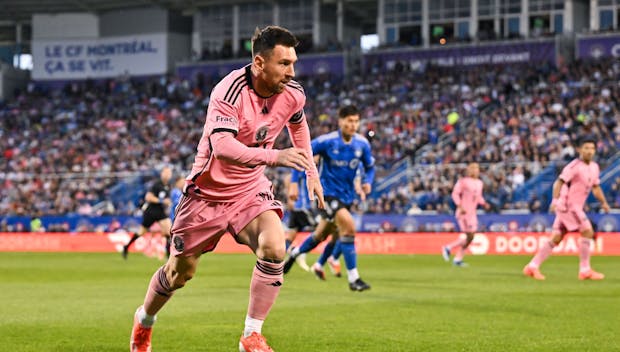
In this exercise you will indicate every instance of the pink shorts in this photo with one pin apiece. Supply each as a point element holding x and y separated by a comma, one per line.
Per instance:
<point>467,223</point>
<point>199,224</point>
<point>570,221</point>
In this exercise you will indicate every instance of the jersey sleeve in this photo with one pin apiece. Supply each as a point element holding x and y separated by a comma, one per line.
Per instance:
<point>156,188</point>
<point>369,164</point>
<point>568,172</point>
<point>456,193</point>
<point>318,146</point>
<point>222,116</point>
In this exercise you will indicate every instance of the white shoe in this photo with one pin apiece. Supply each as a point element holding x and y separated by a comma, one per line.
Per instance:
<point>301,261</point>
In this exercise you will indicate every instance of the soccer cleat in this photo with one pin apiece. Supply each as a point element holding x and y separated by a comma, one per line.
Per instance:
<point>460,264</point>
<point>140,340</point>
<point>125,252</point>
<point>534,273</point>
<point>359,285</point>
<point>318,271</point>
<point>301,261</point>
<point>445,253</point>
<point>591,275</point>
<point>254,343</point>
<point>334,267</point>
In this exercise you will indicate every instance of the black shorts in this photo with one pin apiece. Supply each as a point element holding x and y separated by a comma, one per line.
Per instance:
<point>153,215</point>
<point>300,219</point>
<point>332,205</point>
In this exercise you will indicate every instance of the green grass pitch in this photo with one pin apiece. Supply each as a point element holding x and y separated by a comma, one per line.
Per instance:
<point>85,302</point>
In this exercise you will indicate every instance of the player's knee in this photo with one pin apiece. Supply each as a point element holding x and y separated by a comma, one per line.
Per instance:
<point>179,280</point>
<point>275,252</point>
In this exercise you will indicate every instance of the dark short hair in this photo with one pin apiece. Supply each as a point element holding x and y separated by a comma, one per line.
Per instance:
<point>348,110</point>
<point>264,40</point>
<point>588,138</point>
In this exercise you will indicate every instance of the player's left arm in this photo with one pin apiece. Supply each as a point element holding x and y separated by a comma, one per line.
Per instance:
<point>300,137</point>
<point>597,191</point>
<point>369,169</point>
<point>481,200</point>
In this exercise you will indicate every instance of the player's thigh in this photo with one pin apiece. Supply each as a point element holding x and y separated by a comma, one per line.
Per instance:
<point>164,225</point>
<point>265,236</point>
<point>345,222</point>
<point>323,229</point>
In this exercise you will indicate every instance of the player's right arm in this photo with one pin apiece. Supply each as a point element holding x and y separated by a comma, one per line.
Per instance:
<point>456,197</point>
<point>566,175</point>
<point>223,126</point>
<point>557,188</point>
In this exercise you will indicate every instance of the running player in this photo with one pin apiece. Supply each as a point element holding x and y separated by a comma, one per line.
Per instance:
<point>157,207</point>
<point>227,190</point>
<point>467,195</point>
<point>341,153</point>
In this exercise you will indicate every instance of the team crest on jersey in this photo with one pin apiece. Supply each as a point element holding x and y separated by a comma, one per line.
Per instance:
<point>179,244</point>
<point>261,134</point>
<point>358,153</point>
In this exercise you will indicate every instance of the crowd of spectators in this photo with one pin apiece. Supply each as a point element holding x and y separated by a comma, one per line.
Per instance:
<point>62,149</point>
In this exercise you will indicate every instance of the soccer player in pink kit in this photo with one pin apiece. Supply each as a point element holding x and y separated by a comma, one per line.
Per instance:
<point>570,192</point>
<point>227,191</point>
<point>467,195</point>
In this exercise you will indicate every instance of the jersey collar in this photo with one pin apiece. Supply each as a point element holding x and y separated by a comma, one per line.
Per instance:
<point>248,79</point>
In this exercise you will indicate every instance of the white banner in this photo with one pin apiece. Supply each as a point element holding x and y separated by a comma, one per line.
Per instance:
<point>99,58</point>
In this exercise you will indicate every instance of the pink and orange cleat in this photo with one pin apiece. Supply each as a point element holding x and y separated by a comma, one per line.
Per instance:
<point>334,267</point>
<point>140,336</point>
<point>254,343</point>
<point>591,275</point>
<point>533,272</point>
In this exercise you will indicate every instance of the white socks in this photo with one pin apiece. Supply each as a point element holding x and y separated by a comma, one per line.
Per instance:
<point>144,319</point>
<point>252,325</point>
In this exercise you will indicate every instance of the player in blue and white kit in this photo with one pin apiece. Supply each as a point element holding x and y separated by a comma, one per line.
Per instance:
<point>341,153</point>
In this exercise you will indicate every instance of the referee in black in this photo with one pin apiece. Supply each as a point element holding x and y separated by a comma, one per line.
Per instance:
<point>157,203</point>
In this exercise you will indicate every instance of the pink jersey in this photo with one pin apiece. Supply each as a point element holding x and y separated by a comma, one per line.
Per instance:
<point>579,178</point>
<point>467,194</point>
<point>255,121</point>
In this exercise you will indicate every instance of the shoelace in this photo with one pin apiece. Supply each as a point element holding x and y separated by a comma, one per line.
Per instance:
<point>142,336</point>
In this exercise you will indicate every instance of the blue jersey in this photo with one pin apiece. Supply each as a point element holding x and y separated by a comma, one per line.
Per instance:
<point>175,196</point>
<point>340,162</point>
<point>302,202</point>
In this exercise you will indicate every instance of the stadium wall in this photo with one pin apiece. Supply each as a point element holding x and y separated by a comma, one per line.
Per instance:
<point>367,243</point>
<point>370,223</point>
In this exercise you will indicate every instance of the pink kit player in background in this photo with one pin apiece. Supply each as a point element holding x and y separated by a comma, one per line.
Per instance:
<point>227,190</point>
<point>570,192</point>
<point>467,195</point>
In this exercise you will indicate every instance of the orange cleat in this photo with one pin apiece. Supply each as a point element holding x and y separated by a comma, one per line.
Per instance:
<point>334,267</point>
<point>533,272</point>
<point>140,336</point>
<point>591,275</point>
<point>254,343</point>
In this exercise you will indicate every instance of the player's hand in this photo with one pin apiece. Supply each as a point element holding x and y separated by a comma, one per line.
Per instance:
<point>359,191</point>
<point>460,210</point>
<point>315,187</point>
<point>293,157</point>
<point>167,202</point>
<point>366,188</point>
<point>606,207</point>
<point>552,208</point>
